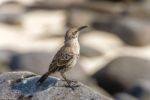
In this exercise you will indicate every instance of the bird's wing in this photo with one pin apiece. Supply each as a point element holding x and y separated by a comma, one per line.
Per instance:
<point>62,58</point>
<point>65,58</point>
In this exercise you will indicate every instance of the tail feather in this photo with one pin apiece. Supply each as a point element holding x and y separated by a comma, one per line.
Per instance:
<point>43,78</point>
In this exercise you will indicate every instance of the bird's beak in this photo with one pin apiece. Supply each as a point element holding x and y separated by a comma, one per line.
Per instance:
<point>82,27</point>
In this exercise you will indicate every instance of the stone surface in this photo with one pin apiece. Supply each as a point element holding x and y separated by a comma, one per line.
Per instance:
<point>122,73</point>
<point>21,85</point>
<point>141,90</point>
<point>87,51</point>
<point>5,59</point>
<point>5,55</point>
<point>124,96</point>
<point>132,31</point>
<point>100,41</point>
<point>89,11</point>
<point>9,16</point>
<point>103,43</point>
<point>36,62</point>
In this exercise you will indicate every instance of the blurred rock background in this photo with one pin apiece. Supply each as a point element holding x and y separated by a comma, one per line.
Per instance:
<point>115,57</point>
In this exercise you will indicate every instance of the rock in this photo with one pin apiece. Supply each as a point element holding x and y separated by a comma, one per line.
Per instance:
<point>36,62</point>
<point>120,0</point>
<point>102,47</point>
<point>14,63</point>
<point>5,55</point>
<point>9,16</point>
<point>131,30</point>
<point>124,96</point>
<point>56,4</point>
<point>89,52</point>
<point>90,11</point>
<point>141,90</point>
<point>5,59</point>
<point>122,73</point>
<point>22,85</point>
<point>86,16</point>
<point>100,41</point>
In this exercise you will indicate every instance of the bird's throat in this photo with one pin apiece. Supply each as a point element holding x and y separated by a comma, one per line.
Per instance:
<point>74,44</point>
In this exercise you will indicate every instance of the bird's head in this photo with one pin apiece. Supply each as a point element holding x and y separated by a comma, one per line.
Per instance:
<point>73,33</point>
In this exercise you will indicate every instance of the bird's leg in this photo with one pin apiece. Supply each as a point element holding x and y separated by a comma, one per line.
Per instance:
<point>64,77</point>
<point>69,82</point>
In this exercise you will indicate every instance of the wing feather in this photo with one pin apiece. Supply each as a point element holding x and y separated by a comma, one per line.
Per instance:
<point>62,58</point>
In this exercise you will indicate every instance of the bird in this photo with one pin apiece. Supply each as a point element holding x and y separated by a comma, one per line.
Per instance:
<point>66,58</point>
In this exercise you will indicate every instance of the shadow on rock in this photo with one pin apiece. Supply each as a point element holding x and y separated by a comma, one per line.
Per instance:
<point>28,85</point>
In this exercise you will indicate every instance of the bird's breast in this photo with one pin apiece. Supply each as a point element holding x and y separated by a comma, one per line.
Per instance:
<point>76,49</point>
<point>74,61</point>
<point>74,46</point>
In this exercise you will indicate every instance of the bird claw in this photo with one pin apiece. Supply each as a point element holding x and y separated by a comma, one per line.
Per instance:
<point>71,81</point>
<point>72,86</point>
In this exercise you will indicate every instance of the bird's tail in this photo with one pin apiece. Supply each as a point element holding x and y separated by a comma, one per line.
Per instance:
<point>43,78</point>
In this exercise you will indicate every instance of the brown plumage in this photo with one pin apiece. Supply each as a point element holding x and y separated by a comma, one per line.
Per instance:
<point>66,57</point>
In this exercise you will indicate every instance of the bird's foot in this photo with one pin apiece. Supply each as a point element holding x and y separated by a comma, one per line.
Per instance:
<point>72,84</point>
<point>71,81</point>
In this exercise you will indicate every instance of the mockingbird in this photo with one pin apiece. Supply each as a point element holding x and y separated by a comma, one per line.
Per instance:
<point>66,57</point>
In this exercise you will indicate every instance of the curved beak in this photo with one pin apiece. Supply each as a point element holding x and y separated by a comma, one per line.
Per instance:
<point>82,27</point>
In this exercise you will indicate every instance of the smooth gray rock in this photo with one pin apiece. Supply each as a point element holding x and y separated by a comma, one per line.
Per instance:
<point>5,55</point>
<point>124,96</point>
<point>22,86</point>
<point>90,52</point>
<point>36,62</point>
<point>122,73</point>
<point>141,90</point>
<point>131,30</point>
<point>9,16</point>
